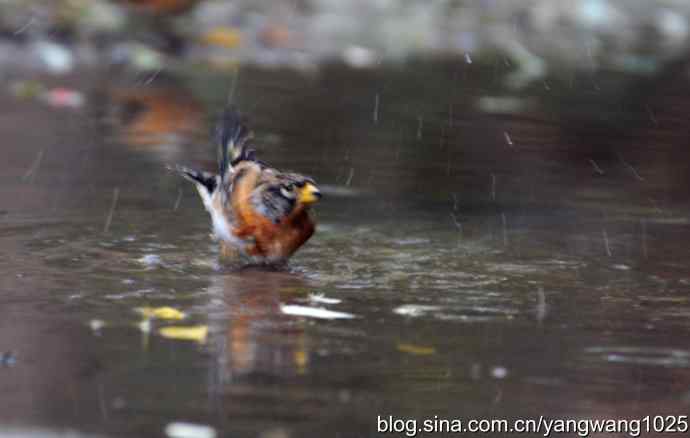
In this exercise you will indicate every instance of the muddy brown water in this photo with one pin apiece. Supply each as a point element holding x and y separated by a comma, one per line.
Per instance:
<point>497,266</point>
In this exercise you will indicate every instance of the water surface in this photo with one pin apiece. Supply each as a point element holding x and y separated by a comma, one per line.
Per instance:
<point>497,266</point>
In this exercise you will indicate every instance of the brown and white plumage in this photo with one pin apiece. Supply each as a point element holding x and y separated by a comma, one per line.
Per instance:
<point>256,211</point>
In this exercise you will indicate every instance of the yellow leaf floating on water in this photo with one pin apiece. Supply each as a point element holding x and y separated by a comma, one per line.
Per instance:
<point>419,350</point>
<point>196,333</point>
<point>161,313</point>
<point>222,37</point>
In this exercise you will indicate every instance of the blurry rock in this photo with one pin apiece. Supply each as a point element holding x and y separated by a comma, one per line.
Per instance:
<point>27,89</point>
<point>535,38</point>
<point>138,56</point>
<point>155,21</point>
<point>212,14</point>
<point>672,27</point>
<point>63,98</point>
<point>359,57</point>
<point>276,36</point>
<point>596,14</point>
<point>58,59</point>
<point>102,16</point>
<point>590,15</point>
<point>161,7</point>
<point>226,37</point>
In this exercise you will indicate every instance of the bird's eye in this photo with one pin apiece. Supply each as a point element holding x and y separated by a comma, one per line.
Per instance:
<point>287,191</point>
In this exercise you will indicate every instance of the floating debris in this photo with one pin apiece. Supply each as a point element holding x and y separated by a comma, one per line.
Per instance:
<point>314,312</point>
<point>150,260</point>
<point>650,356</point>
<point>96,325</point>
<point>164,312</point>
<point>320,298</point>
<point>415,309</point>
<point>180,429</point>
<point>499,372</point>
<point>412,241</point>
<point>197,333</point>
<point>418,350</point>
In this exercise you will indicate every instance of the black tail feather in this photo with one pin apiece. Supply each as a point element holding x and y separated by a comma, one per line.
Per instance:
<point>232,136</point>
<point>206,179</point>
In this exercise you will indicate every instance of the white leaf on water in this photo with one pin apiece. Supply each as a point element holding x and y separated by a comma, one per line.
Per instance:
<point>499,372</point>
<point>415,309</point>
<point>314,312</point>
<point>150,260</point>
<point>320,298</point>
<point>181,429</point>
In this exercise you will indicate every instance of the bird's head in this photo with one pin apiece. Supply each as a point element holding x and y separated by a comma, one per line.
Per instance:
<point>299,189</point>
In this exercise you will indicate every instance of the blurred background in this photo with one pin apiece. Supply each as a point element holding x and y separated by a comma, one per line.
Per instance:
<point>503,233</point>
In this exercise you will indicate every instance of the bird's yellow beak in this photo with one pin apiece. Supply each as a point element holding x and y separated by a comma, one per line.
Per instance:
<point>309,194</point>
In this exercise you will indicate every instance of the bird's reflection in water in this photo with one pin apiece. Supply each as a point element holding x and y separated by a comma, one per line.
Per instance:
<point>161,118</point>
<point>253,340</point>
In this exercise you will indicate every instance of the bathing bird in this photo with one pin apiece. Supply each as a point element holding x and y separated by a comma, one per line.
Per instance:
<point>257,212</point>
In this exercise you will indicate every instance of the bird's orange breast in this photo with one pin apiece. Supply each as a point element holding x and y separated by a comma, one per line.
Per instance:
<point>271,240</point>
